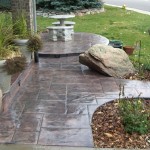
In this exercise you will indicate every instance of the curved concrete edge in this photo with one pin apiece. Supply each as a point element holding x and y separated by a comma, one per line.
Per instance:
<point>132,9</point>
<point>113,99</point>
<point>34,147</point>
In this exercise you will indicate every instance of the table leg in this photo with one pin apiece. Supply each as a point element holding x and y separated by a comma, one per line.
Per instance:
<point>62,22</point>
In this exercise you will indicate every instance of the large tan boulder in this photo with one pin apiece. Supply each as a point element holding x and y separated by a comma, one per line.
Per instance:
<point>107,60</point>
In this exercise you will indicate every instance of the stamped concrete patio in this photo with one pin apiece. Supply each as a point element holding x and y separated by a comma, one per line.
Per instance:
<point>55,105</point>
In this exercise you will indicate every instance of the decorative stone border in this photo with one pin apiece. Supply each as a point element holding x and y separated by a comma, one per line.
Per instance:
<point>77,13</point>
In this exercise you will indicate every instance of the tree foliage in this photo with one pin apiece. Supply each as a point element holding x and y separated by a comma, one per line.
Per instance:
<point>70,5</point>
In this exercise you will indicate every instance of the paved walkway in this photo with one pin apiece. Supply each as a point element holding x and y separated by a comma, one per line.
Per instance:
<point>55,105</point>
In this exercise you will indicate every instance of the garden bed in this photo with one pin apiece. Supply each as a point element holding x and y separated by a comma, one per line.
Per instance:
<point>108,130</point>
<point>145,75</point>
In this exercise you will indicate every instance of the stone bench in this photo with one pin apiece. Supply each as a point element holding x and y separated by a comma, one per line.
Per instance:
<point>62,33</point>
<point>67,23</point>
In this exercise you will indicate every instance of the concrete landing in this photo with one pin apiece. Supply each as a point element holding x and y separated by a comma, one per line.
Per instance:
<point>80,42</point>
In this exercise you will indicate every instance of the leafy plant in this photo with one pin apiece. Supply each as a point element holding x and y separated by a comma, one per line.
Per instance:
<point>34,43</point>
<point>134,115</point>
<point>15,65</point>
<point>9,52</point>
<point>20,26</point>
<point>6,36</point>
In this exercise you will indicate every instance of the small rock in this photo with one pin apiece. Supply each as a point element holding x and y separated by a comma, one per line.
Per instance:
<point>45,15</point>
<point>80,14</point>
<point>88,12</point>
<point>92,12</point>
<point>108,135</point>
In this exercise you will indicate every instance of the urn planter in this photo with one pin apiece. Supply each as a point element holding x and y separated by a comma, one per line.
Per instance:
<point>22,43</point>
<point>5,79</point>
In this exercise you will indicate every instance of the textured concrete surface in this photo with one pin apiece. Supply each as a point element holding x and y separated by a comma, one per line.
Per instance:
<point>80,42</point>
<point>55,105</point>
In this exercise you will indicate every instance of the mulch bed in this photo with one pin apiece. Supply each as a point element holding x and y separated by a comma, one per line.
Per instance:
<point>107,127</point>
<point>142,76</point>
<point>108,130</point>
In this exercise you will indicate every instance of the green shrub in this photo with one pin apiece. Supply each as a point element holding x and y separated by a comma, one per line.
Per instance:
<point>6,35</point>
<point>70,5</point>
<point>134,115</point>
<point>20,25</point>
<point>5,29</point>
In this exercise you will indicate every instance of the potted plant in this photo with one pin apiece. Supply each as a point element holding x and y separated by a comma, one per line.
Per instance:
<point>10,61</point>
<point>128,49</point>
<point>34,45</point>
<point>7,50</point>
<point>20,30</point>
<point>21,35</point>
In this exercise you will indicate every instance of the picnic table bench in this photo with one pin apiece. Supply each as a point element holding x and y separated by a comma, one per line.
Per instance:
<point>62,30</point>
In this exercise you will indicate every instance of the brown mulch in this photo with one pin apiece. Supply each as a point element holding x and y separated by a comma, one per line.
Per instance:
<point>108,130</point>
<point>139,76</point>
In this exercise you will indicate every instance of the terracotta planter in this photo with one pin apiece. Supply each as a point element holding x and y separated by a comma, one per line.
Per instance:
<point>128,49</point>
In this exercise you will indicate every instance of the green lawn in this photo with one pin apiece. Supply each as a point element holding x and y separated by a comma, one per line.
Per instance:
<point>114,23</point>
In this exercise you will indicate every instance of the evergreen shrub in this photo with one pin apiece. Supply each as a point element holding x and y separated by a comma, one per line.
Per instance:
<point>69,5</point>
